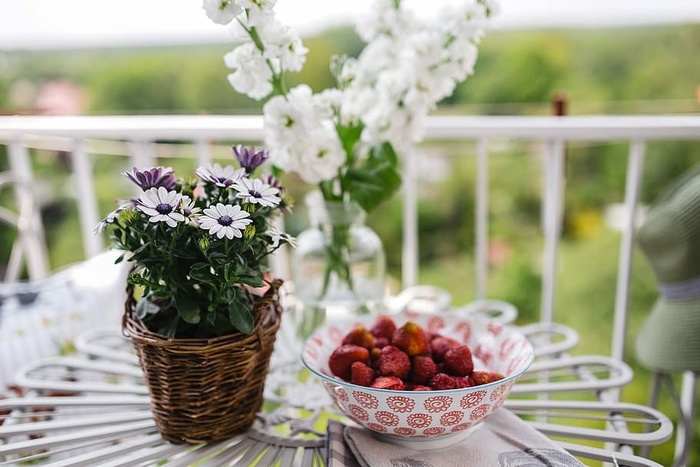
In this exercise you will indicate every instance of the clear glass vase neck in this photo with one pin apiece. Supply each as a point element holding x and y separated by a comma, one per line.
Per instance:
<point>326,213</point>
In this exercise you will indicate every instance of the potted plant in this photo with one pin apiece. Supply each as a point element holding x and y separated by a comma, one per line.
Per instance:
<point>202,312</point>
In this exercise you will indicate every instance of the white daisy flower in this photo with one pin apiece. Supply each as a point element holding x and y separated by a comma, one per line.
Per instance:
<point>277,237</point>
<point>220,176</point>
<point>161,204</point>
<point>255,191</point>
<point>225,220</point>
<point>112,217</point>
<point>189,210</point>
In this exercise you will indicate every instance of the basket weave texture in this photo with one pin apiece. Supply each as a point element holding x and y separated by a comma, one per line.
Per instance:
<point>204,390</point>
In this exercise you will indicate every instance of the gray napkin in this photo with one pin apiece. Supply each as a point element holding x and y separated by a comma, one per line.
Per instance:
<point>504,440</point>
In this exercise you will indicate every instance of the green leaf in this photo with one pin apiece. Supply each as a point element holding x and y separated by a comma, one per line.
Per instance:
<point>252,280</point>
<point>201,272</point>
<point>186,307</point>
<point>240,316</point>
<point>376,179</point>
<point>349,135</point>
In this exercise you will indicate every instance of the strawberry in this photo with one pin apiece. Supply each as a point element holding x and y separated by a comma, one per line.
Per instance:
<point>422,369</point>
<point>485,377</point>
<point>384,326</point>
<point>343,357</point>
<point>420,387</point>
<point>388,382</point>
<point>442,381</point>
<point>411,338</point>
<point>394,362</point>
<point>381,342</point>
<point>464,381</point>
<point>359,336</point>
<point>441,345</point>
<point>458,361</point>
<point>361,374</point>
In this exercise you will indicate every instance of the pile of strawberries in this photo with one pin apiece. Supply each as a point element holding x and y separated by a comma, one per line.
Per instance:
<point>406,358</point>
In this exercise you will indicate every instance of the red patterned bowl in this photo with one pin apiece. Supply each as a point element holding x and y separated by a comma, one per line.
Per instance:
<point>426,419</point>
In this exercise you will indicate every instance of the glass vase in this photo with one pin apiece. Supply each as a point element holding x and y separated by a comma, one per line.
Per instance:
<point>338,267</point>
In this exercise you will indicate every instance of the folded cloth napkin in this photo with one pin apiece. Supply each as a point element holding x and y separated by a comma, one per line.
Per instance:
<point>504,440</point>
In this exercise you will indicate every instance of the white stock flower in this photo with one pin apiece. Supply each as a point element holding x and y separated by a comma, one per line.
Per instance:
<point>464,55</point>
<point>406,67</point>
<point>385,19</point>
<point>327,103</point>
<point>293,54</point>
<point>282,44</point>
<point>252,75</point>
<point>466,21</point>
<point>381,54</point>
<point>288,119</point>
<point>300,134</point>
<point>356,102</point>
<point>381,122</point>
<point>259,12</point>
<point>259,5</point>
<point>221,11</point>
<point>322,156</point>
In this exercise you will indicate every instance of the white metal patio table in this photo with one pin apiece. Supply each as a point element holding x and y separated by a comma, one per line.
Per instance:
<point>92,408</point>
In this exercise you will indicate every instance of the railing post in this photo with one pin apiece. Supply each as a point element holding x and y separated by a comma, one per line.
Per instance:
<point>409,263</point>
<point>552,211</point>
<point>30,227</point>
<point>635,165</point>
<point>202,152</point>
<point>552,207</point>
<point>86,199</point>
<point>482,218</point>
<point>141,153</point>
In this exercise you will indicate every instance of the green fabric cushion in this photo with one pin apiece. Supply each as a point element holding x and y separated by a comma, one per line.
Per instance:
<point>670,240</point>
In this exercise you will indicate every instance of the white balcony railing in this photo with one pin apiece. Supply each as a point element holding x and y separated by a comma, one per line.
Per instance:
<point>138,137</point>
<point>144,139</point>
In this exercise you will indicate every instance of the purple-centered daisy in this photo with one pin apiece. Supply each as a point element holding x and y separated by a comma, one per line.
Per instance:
<point>161,205</point>
<point>248,157</point>
<point>152,178</point>
<point>220,176</point>
<point>277,237</point>
<point>255,191</point>
<point>272,181</point>
<point>112,216</point>
<point>189,209</point>
<point>225,220</point>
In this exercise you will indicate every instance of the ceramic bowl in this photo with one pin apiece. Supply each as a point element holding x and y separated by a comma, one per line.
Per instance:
<point>425,419</point>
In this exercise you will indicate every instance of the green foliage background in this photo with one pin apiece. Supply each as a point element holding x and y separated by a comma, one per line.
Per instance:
<point>651,70</point>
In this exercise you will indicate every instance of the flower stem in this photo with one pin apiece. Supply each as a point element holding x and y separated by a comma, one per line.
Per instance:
<point>338,250</point>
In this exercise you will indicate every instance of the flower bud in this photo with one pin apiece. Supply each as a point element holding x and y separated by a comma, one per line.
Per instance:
<point>129,216</point>
<point>249,231</point>
<point>204,243</point>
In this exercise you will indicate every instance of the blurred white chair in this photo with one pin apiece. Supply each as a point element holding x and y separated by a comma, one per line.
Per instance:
<point>41,317</point>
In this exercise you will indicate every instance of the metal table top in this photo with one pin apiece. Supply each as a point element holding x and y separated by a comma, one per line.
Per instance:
<point>92,408</point>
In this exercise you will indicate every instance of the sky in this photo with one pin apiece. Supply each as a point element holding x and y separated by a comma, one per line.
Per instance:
<point>79,23</point>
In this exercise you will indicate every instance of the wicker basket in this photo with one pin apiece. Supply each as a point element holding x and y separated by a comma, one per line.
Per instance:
<point>206,389</point>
